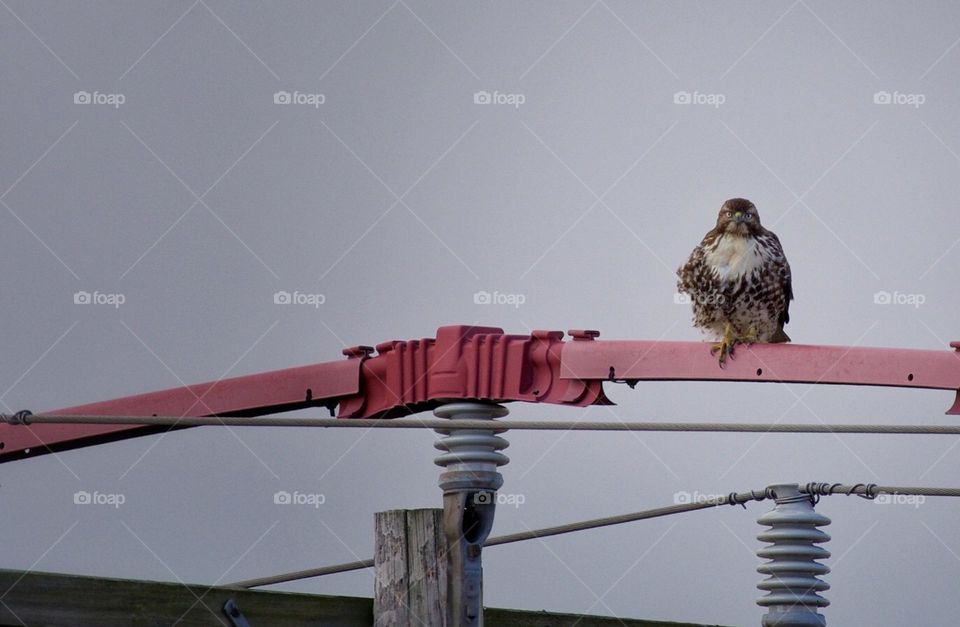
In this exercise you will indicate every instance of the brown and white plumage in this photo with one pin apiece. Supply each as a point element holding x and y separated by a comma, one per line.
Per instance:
<point>738,280</point>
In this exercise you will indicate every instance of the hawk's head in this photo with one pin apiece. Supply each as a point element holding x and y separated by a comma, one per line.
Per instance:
<point>738,216</point>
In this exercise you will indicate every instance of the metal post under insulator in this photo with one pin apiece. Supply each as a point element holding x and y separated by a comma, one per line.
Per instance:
<point>469,482</point>
<point>793,582</point>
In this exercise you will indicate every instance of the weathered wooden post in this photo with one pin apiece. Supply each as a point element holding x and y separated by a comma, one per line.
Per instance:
<point>410,586</point>
<point>469,483</point>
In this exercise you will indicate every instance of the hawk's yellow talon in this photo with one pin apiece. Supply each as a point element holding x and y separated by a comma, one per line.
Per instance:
<point>725,345</point>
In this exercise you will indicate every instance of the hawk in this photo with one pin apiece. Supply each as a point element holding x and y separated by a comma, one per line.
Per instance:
<point>738,281</point>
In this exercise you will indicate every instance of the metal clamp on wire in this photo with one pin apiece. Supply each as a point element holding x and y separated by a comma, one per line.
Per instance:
<point>870,490</point>
<point>754,495</point>
<point>22,417</point>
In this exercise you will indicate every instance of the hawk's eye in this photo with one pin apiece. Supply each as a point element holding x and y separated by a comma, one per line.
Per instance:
<point>749,215</point>
<point>729,214</point>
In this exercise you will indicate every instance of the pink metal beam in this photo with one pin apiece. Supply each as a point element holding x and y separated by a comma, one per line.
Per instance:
<point>252,395</point>
<point>462,362</point>
<point>781,363</point>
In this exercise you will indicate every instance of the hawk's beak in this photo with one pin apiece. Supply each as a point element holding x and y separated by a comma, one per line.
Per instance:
<point>739,217</point>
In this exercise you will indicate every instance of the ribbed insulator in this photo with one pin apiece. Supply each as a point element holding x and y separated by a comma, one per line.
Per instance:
<point>793,581</point>
<point>471,449</point>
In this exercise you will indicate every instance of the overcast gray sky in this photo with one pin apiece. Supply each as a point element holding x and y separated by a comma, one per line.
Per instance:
<point>144,157</point>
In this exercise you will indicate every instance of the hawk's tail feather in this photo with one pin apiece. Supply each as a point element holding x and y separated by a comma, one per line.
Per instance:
<point>779,336</point>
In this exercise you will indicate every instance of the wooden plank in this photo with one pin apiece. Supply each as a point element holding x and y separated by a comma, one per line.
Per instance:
<point>40,599</point>
<point>410,582</point>
<point>426,561</point>
<point>523,618</point>
<point>390,605</point>
<point>56,600</point>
